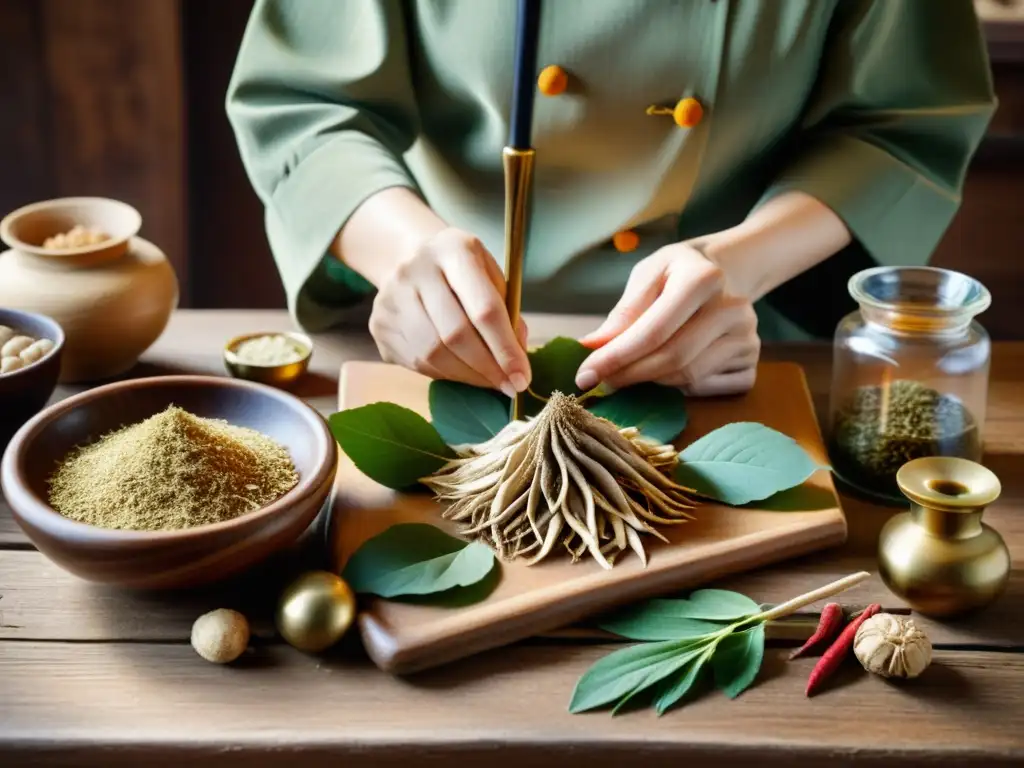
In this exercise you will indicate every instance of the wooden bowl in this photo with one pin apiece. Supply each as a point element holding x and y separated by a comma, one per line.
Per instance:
<point>25,391</point>
<point>167,559</point>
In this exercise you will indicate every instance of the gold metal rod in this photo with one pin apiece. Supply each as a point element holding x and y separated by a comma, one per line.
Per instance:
<point>518,165</point>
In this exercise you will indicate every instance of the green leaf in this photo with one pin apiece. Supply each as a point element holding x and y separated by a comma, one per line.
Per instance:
<point>659,412</point>
<point>738,660</point>
<point>628,671</point>
<point>416,559</point>
<point>657,620</point>
<point>743,462</point>
<point>390,444</point>
<point>465,414</point>
<point>717,605</point>
<point>675,690</point>
<point>554,366</point>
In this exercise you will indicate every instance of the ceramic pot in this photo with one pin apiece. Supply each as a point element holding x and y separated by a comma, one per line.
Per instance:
<point>940,557</point>
<point>113,298</point>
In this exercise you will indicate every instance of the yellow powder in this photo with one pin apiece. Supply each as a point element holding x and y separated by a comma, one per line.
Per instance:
<point>174,470</point>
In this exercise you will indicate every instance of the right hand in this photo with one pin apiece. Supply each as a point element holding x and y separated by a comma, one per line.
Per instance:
<point>442,313</point>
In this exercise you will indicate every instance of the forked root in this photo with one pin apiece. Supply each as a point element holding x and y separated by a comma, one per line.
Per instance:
<point>565,477</point>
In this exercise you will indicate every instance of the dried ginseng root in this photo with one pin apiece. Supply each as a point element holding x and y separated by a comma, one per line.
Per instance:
<point>565,477</point>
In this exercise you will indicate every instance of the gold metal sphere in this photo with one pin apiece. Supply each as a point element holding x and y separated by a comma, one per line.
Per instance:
<point>315,611</point>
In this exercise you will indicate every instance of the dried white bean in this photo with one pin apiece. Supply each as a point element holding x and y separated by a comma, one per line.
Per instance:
<point>13,347</point>
<point>35,351</point>
<point>9,364</point>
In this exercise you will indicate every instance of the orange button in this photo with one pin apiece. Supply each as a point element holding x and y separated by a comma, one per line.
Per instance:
<point>688,112</point>
<point>553,80</point>
<point>625,241</point>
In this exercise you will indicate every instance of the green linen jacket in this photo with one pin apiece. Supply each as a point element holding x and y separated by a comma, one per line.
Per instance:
<point>875,107</point>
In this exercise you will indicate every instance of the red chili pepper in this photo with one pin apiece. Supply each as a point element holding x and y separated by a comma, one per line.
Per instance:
<point>836,652</point>
<point>829,624</point>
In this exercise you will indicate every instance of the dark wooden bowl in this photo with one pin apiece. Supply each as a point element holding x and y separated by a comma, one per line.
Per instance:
<point>167,559</point>
<point>25,391</point>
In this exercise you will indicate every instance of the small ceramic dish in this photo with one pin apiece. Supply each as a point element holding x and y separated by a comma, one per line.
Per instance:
<point>28,228</point>
<point>176,558</point>
<point>277,374</point>
<point>24,391</point>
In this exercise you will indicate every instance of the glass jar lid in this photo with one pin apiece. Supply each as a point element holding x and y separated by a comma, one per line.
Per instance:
<point>918,299</point>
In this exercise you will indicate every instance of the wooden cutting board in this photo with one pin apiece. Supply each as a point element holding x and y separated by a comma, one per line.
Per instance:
<point>403,637</point>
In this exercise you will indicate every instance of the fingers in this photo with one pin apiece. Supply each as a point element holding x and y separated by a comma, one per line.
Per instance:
<point>689,285</point>
<point>494,273</point>
<point>467,274</point>
<point>725,325</point>
<point>424,350</point>
<point>642,288</point>
<point>719,384</point>
<point>523,334</point>
<point>457,333</point>
<point>726,354</point>
<point>443,313</point>
<point>408,338</point>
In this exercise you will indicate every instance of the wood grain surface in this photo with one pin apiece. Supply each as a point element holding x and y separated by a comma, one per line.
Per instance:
<point>99,677</point>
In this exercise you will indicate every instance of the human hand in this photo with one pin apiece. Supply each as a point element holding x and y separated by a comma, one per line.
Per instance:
<point>443,313</point>
<point>678,324</point>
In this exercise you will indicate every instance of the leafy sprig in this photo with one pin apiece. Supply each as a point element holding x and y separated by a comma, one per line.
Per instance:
<point>689,638</point>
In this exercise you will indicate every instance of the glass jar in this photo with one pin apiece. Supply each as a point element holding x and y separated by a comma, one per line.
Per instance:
<point>909,376</point>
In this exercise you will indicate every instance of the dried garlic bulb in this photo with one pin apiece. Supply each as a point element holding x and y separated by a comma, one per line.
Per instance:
<point>892,646</point>
<point>565,476</point>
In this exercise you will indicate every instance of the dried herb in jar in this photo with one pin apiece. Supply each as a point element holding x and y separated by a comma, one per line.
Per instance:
<point>881,428</point>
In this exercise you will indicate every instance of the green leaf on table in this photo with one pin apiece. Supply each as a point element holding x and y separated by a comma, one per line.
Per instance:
<point>416,559</point>
<point>554,366</point>
<point>464,414</point>
<point>743,462</point>
<point>674,689</point>
<point>628,671</point>
<point>738,659</point>
<point>659,412</point>
<point>390,444</point>
<point>657,620</point>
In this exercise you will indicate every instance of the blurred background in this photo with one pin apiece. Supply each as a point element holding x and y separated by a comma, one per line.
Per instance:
<point>125,99</point>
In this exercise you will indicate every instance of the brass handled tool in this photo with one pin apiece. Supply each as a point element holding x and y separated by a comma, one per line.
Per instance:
<point>517,161</point>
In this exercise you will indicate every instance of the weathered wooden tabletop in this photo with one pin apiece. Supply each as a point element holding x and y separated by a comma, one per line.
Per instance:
<point>95,676</point>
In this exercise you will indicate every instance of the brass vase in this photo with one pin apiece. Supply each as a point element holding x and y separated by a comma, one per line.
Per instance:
<point>940,557</point>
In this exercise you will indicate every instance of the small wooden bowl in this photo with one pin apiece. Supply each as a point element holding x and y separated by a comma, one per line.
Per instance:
<point>24,391</point>
<point>283,375</point>
<point>167,559</point>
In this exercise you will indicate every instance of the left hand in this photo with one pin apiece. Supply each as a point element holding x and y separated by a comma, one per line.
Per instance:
<point>678,324</point>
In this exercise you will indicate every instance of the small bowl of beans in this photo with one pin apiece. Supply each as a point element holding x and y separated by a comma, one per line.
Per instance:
<point>30,354</point>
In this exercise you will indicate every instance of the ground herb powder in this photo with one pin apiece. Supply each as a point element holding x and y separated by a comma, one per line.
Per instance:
<point>172,471</point>
<point>879,429</point>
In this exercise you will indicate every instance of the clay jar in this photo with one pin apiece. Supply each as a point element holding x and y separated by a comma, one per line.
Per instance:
<point>113,299</point>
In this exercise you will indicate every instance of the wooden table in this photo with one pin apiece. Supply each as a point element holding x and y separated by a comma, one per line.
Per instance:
<point>94,676</point>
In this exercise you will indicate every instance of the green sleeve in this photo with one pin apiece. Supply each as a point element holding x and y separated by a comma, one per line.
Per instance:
<point>903,98</point>
<point>322,108</point>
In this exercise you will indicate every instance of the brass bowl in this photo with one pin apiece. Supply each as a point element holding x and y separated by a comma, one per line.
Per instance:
<point>282,375</point>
